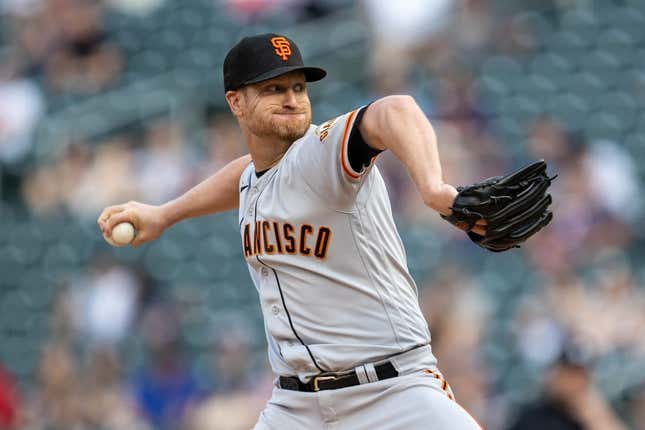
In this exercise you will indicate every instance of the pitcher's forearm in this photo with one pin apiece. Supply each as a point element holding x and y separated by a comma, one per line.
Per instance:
<point>396,123</point>
<point>218,193</point>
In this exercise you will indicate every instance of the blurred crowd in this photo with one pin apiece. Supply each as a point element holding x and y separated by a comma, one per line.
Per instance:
<point>84,178</point>
<point>57,49</point>
<point>116,358</point>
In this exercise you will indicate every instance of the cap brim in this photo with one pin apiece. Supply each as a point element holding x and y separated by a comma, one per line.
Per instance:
<point>312,74</point>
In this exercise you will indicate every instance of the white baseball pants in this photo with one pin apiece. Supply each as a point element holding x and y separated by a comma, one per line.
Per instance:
<point>418,400</point>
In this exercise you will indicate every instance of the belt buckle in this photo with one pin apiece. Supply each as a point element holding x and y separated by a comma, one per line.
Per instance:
<point>322,378</point>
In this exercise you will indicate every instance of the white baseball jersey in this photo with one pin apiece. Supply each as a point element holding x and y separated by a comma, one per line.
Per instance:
<point>326,258</point>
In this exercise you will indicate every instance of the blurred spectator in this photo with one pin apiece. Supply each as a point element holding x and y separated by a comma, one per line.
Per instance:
<point>104,303</point>
<point>82,180</point>
<point>9,402</point>
<point>21,105</point>
<point>455,100</point>
<point>51,187</point>
<point>603,313</point>
<point>402,31</point>
<point>109,179</point>
<point>40,190</point>
<point>547,139</point>
<point>637,409</point>
<point>613,309</point>
<point>33,34</point>
<point>583,226</point>
<point>457,314</point>
<point>250,10</point>
<point>570,402</point>
<point>165,389</point>
<point>240,389</point>
<point>82,60</point>
<point>136,7</point>
<point>239,384</point>
<point>56,402</point>
<point>468,153</point>
<point>20,7</point>
<point>71,397</point>
<point>234,369</point>
<point>106,405</point>
<point>312,9</point>
<point>256,10</point>
<point>539,334</point>
<point>165,151</point>
<point>584,268</point>
<point>614,180</point>
<point>475,21</point>
<point>223,140</point>
<point>231,411</point>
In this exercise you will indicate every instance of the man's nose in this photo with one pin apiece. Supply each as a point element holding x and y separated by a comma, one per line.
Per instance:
<point>290,99</point>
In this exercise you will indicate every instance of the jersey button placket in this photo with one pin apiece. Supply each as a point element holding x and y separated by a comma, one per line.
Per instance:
<point>275,310</point>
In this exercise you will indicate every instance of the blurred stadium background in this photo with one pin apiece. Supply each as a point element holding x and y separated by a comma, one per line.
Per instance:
<point>103,101</point>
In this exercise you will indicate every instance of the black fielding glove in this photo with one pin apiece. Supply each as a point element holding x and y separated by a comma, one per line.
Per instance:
<point>514,206</point>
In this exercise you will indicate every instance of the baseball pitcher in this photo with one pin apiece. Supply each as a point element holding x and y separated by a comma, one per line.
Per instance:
<point>346,338</point>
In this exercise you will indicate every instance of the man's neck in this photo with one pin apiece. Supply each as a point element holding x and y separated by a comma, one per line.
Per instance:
<point>266,153</point>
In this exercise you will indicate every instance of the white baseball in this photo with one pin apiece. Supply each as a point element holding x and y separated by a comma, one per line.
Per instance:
<point>122,234</point>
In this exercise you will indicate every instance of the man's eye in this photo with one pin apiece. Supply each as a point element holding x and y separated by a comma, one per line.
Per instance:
<point>273,88</point>
<point>298,88</point>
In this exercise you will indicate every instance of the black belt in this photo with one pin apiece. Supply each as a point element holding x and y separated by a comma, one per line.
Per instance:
<point>332,381</point>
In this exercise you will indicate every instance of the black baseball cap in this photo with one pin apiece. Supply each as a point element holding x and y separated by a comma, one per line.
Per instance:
<point>265,56</point>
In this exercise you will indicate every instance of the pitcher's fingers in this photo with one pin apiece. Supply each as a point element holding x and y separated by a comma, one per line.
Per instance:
<point>479,230</point>
<point>139,239</point>
<point>107,213</point>
<point>118,218</point>
<point>111,210</point>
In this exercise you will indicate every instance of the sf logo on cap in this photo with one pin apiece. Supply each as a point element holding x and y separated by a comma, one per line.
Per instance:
<point>282,47</point>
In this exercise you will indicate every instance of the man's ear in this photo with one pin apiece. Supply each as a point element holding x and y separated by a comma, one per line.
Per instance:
<point>235,102</point>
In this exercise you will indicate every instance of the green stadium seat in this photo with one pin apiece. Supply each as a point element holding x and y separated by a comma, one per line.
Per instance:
<point>129,40</point>
<point>37,327</point>
<point>625,17</point>
<point>581,20</point>
<point>150,62</point>
<point>190,273</point>
<point>551,66</point>
<point>15,356</point>
<point>172,40</point>
<point>38,291</point>
<point>635,143</point>
<point>162,259</point>
<point>491,87</point>
<point>571,110</point>
<point>624,106</point>
<point>61,257</point>
<point>539,27</point>
<point>26,243</point>
<point>193,17</point>
<point>14,307</point>
<point>503,68</point>
<point>585,86</point>
<point>568,42</point>
<point>539,89</point>
<point>614,39</point>
<point>604,125</point>
<point>199,58</point>
<point>186,78</point>
<point>601,61</point>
